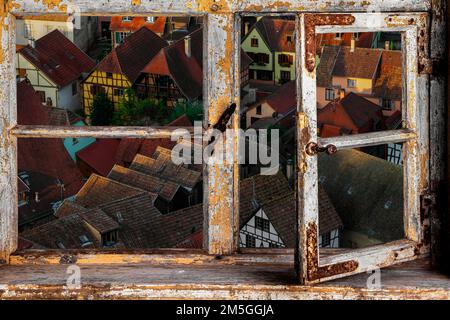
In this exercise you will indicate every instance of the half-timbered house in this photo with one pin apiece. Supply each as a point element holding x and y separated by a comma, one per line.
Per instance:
<point>120,69</point>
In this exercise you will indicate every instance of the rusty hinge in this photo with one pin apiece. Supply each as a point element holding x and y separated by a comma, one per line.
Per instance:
<point>431,66</point>
<point>428,202</point>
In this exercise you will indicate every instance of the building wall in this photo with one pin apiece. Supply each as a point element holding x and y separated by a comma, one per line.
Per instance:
<point>83,37</point>
<point>117,81</point>
<point>263,239</point>
<point>73,145</point>
<point>266,112</point>
<point>37,79</point>
<point>279,68</point>
<point>262,48</point>
<point>66,99</point>
<point>363,86</point>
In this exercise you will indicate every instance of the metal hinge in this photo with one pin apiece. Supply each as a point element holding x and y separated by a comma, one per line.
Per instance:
<point>430,66</point>
<point>428,202</point>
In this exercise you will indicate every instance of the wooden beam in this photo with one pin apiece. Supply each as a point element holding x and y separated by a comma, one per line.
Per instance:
<point>8,143</point>
<point>221,42</point>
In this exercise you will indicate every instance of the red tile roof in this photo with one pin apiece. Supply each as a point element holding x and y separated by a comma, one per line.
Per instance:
<point>100,155</point>
<point>58,58</point>
<point>185,71</point>
<point>130,57</point>
<point>352,113</point>
<point>362,63</point>
<point>117,24</point>
<point>275,31</point>
<point>388,83</point>
<point>46,157</point>
<point>284,99</point>
<point>364,40</point>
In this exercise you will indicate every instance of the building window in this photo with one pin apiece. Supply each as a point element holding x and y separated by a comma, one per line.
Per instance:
<point>254,43</point>
<point>326,239</point>
<point>338,36</point>
<point>262,224</point>
<point>75,141</point>
<point>394,153</point>
<point>150,19</point>
<point>285,60</point>
<point>109,75</point>
<point>96,89</point>
<point>109,239</point>
<point>356,35</point>
<point>250,241</point>
<point>120,37</point>
<point>259,110</point>
<point>118,92</point>
<point>74,88</point>
<point>388,104</point>
<point>285,76</point>
<point>27,31</point>
<point>329,94</point>
<point>42,95</point>
<point>126,19</point>
<point>351,83</point>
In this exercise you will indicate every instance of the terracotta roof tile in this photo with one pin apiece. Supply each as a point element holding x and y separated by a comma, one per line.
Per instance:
<point>58,58</point>
<point>284,100</point>
<point>99,220</point>
<point>362,63</point>
<point>275,32</point>
<point>130,57</point>
<point>117,24</point>
<point>388,83</point>
<point>326,66</point>
<point>165,189</point>
<point>365,40</point>
<point>100,155</point>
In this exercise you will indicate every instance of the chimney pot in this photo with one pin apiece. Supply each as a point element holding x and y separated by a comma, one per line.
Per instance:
<point>188,46</point>
<point>387,45</point>
<point>352,45</point>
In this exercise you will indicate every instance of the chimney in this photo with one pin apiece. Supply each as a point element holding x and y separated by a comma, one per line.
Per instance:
<point>32,42</point>
<point>289,168</point>
<point>246,28</point>
<point>188,46</point>
<point>387,45</point>
<point>353,44</point>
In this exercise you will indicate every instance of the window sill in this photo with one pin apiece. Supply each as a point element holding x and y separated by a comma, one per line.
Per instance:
<point>217,279</point>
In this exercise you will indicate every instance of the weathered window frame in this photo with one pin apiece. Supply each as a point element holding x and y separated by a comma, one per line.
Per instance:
<point>221,72</point>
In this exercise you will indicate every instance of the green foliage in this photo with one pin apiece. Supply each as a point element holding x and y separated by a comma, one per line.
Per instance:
<point>128,110</point>
<point>102,110</point>
<point>193,110</point>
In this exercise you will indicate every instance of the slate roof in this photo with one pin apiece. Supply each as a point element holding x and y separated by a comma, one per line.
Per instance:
<point>165,189</point>
<point>274,32</point>
<point>366,191</point>
<point>117,24</point>
<point>362,63</point>
<point>130,57</point>
<point>58,58</point>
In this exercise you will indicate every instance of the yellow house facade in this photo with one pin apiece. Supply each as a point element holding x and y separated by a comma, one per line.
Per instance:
<point>113,84</point>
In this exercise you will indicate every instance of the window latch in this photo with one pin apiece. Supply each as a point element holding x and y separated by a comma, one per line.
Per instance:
<point>313,149</point>
<point>221,125</point>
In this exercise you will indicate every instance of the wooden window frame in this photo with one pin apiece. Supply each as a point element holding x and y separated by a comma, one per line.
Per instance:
<point>221,75</point>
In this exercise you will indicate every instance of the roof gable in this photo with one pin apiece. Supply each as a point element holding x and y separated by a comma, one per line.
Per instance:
<point>275,31</point>
<point>58,58</point>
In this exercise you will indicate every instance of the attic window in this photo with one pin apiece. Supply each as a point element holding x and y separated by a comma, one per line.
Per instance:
<point>254,42</point>
<point>126,19</point>
<point>84,240</point>
<point>150,19</point>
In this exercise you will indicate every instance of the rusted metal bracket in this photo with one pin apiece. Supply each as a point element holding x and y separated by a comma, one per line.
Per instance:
<point>313,20</point>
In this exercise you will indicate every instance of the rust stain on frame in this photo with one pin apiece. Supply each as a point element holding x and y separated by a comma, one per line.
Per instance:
<point>313,20</point>
<point>315,272</point>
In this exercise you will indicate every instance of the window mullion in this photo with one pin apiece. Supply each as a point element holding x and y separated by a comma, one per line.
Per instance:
<point>8,143</point>
<point>220,180</point>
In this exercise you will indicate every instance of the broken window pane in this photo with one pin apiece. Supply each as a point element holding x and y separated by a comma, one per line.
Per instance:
<point>268,143</point>
<point>112,71</point>
<point>361,197</point>
<point>359,83</point>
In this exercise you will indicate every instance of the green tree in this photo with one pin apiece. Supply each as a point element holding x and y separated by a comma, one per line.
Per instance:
<point>102,110</point>
<point>193,110</point>
<point>128,110</point>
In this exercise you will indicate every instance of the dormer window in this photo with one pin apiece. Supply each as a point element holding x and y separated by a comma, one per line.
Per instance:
<point>109,238</point>
<point>126,19</point>
<point>85,241</point>
<point>150,19</point>
<point>338,36</point>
